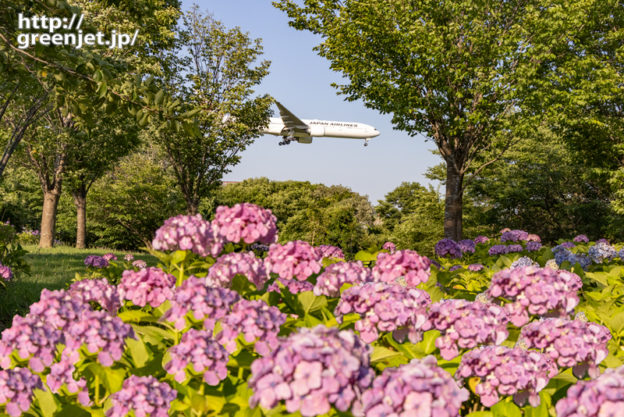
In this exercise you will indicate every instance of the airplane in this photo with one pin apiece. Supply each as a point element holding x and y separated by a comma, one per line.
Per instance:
<point>291,128</point>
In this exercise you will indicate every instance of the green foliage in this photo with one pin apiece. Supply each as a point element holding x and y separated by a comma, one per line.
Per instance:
<point>21,198</point>
<point>11,252</point>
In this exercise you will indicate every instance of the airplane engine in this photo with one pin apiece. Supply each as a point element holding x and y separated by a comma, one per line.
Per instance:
<point>316,130</point>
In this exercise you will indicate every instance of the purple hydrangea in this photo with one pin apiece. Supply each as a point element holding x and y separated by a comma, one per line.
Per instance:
<point>497,250</point>
<point>455,268</point>
<point>198,352</point>
<point>389,246</point>
<point>109,257</point>
<point>601,252</point>
<point>475,267</point>
<point>16,390</point>
<point>481,239</point>
<point>600,397</point>
<point>99,291</point>
<point>467,245</point>
<point>523,261</point>
<point>257,321</point>
<point>336,275</point>
<point>603,240</point>
<point>96,261</point>
<point>188,233</point>
<point>228,266</point>
<point>151,286</point>
<point>405,267</point>
<point>31,339</point>
<point>565,245</point>
<point>62,374</point>
<point>144,395</point>
<point>564,255</point>
<point>570,343</point>
<point>5,272</point>
<point>419,388</point>
<point>533,246</point>
<point>507,371</point>
<point>533,290</point>
<point>514,248</point>
<point>246,222</point>
<point>385,308</point>
<point>329,251</point>
<point>465,324</point>
<point>621,253</point>
<point>311,370</point>
<point>581,239</point>
<point>514,236</point>
<point>206,303</point>
<point>448,247</point>
<point>296,259</point>
<point>58,308</point>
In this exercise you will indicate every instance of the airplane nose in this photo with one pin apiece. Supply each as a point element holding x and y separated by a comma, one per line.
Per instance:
<point>376,133</point>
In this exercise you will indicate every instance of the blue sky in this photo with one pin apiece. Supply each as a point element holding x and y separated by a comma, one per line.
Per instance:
<point>301,81</point>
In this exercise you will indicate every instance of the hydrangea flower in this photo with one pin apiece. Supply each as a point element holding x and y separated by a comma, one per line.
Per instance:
<point>534,290</point>
<point>144,395</point>
<point>455,268</point>
<point>16,390</point>
<point>336,275</point>
<point>481,239</point>
<point>389,246</point>
<point>296,259</point>
<point>497,250</point>
<point>99,291</point>
<point>514,248</point>
<point>507,371</point>
<point>467,245</point>
<point>448,247</point>
<point>523,261</point>
<point>419,388</point>
<point>603,240</point>
<point>329,251</point>
<point>206,303</point>
<point>228,266</point>
<point>600,397</point>
<point>146,286</point>
<point>601,252</point>
<point>564,245</point>
<point>32,339</point>
<point>562,255</point>
<point>58,308</point>
<point>533,246</point>
<point>128,257</point>
<point>188,233</point>
<point>109,257</point>
<point>621,253</point>
<point>246,222</point>
<point>403,266</point>
<point>385,308</point>
<point>581,239</point>
<point>570,343</point>
<point>533,238</point>
<point>465,324</point>
<point>62,374</point>
<point>514,236</point>
<point>139,263</point>
<point>311,370</point>
<point>96,261</point>
<point>475,267</point>
<point>200,352</point>
<point>257,321</point>
<point>293,286</point>
<point>5,272</point>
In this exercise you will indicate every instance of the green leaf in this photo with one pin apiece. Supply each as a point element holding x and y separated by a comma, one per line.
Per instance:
<point>616,323</point>
<point>310,302</point>
<point>480,414</point>
<point>178,257</point>
<point>506,409</point>
<point>381,353</point>
<point>138,351</point>
<point>47,402</point>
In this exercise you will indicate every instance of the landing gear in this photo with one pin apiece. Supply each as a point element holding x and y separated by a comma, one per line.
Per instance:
<point>286,140</point>
<point>366,142</point>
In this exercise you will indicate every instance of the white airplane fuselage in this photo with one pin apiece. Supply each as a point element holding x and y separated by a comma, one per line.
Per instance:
<point>322,128</point>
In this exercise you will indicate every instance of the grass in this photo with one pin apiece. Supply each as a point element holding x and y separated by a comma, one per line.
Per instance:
<point>53,269</point>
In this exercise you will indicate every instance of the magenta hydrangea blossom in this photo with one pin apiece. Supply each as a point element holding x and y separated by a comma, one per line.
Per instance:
<point>257,321</point>
<point>465,324</point>
<point>336,275</point>
<point>475,267</point>
<point>404,266</point>
<point>16,390</point>
<point>570,343</point>
<point>537,291</point>
<point>507,371</point>
<point>206,303</point>
<point>188,233</point>
<point>389,246</point>
<point>99,291</point>
<point>146,286</point>
<point>246,222</point>
<point>109,256</point>
<point>5,272</point>
<point>144,395</point>
<point>96,261</point>
<point>329,251</point>
<point>200,352</point>
<point>600,397</point>
<point>62,374</point>
<point>581,239</point>
<point>311,370</point>
<point>514,236</point>
<point>419,388</point>
<point>385,308</point>
<point>58,308</point>
<point>533,238</point>
<point>228,266</point>
<point>297,259</point>
<point>467,245</point>
<point>481,239</point>
<point>448,247</point>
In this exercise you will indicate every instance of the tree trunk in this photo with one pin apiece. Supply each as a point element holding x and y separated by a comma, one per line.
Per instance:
<point>80,201</point>
<point>453,203</point>
<point>192,207</point>
<point>48,217</point>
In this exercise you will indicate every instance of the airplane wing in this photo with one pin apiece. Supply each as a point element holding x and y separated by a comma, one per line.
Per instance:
<point>291,121</point>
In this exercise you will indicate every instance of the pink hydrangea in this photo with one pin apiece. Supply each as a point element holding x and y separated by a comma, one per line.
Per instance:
<point>581,239</point>
<point>62,374</point>
<point>144,395</point>
<point>600,397</point>
<point>151,286</point>
<point>336,275</point>
<point>404,266</point>
<point>465,324</point>
<point>5,272</point>
<point>293,286</point>
<point>99,291</point>
<point>296,259</point>
<point>507,371</point>
<point>188,233</point>
<point>16,390</point>
<point>228,266</point>
<point>246,222</point>
<point>385,308</point>
<point>481,239</point>
<point>329,251</point>
<point>96,261</point>
<point>389,246</point>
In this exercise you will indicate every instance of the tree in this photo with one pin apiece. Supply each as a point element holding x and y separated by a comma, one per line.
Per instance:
<point>212,71</point>
<point>461,72</point>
